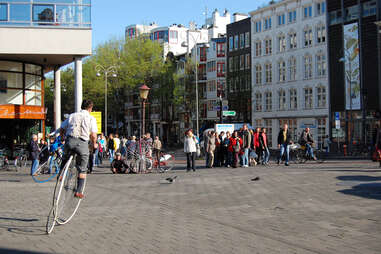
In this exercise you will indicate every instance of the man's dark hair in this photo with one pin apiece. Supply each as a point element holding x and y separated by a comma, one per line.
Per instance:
<point>86,104</point>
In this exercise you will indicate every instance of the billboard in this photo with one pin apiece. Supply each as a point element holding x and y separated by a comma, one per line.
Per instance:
<point>98,118</point>
<point>352,67</point>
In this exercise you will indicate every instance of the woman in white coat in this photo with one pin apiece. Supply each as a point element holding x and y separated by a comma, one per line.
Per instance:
<point>190,149</point>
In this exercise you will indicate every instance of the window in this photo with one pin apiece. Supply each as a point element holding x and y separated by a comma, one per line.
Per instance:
<point>308,98</point>
<point>3,12</point>
<point>258,102</point>
<point>281,19</point>
<point>247,62</point>
<point>293,98</point>
<point>321,97</point>
<point>220,49</point>
<point>267,24</point>
<point>236,42</point>
<point>258,48</point>
<point>211,86</point>
<point>320,8</point>
<point>281,43</point>
<point>247,39</point>
<point>242,62</point>
<point>173,35</point>
<point>293,40</point>
<point>211,66</point>
<point>322,122</point>
<point>320,34</point>
<point>211,105</point>
<point>268,70</point>
<point>307,67</point>
<point>231,43</point>
<point>292,68</point>
<point>258,26</point>
<point>282,99</point>
<point>308,37</point>
<point>231,65</point>
<point>292,16</point>
<point>282,71</point>
<point>258,74</point>
<point>241,41</point>
<point>321,65</point>
<point>307,12</point>
<point>268,47</point>
<point>268,101</point>
<point>220,69</point>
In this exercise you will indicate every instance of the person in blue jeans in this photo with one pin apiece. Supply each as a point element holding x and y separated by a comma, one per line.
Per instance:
<point>246,142</point>
<point>34,154</point>
<point>284,141</point>
<point>307,141</point>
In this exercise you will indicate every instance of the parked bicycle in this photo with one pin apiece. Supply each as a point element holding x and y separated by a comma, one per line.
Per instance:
<point>302,155</point>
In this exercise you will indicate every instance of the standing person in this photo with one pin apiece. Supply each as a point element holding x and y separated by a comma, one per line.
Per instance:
<point>206,142</point>
<point>284,141</point>
<point>227,154</point>
<point>235,146</point>
<point>111,147</point>
<point>34,154</point>
<point>257,144</point>
<point>217,151</point>
<point>378,145</point>
<point>90,164</point>
<point>78,129</point>
<point>190,149</point>
<point>265,149</point>
<point>246,142</point>
<point>117,143</point>
<point>156,149</point>
<point>148,142</point>
<point>222,151</point>
<point>102,148</point>
<point>211,146</point>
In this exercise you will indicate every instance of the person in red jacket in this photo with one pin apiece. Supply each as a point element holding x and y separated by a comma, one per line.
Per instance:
<point>257,144</point>
<point>235,146</point>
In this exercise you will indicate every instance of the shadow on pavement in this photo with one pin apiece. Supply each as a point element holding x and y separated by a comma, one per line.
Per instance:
<point>13,251</point>
<point>15,226</point>
<point>361,186</point>
<point>360,178</point>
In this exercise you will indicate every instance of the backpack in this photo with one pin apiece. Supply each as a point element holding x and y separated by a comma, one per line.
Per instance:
<point>237,147</point>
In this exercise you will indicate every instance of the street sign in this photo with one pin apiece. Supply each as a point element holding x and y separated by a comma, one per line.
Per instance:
<point>228,113</point>
<point>337,123</point>
<point>337,116</point>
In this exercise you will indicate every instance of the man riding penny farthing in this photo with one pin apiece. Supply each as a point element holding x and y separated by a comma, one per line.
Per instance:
<point>77,130</point>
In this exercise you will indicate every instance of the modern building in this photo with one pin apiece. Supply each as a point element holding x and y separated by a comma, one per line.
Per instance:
<point>239,68</point>
<point>289,68</point>
<point>38,37</point>
<point>354,69</point>
<point>134,31</point>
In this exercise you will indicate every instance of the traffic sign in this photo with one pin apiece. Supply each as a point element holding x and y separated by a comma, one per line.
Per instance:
<point>337,116</point>
<point>228,113</point>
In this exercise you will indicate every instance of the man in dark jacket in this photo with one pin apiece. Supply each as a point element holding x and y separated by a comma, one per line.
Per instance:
<point>118,165</point>
<point>307,141</point>
<point>284,141</point>
<point>34,154</point>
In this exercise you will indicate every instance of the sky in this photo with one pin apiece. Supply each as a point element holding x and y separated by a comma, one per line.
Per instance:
<point>110,17</point>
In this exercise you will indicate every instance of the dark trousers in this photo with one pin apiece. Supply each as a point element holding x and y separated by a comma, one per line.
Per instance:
<point>229,158</point>
<point>190,161</point>
<point>235,159</point>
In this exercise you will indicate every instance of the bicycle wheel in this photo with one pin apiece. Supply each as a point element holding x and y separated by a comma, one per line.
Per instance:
<point>52,217</point>
<point>167,162</point>
<point>67,204</point>
<point>46,171</point>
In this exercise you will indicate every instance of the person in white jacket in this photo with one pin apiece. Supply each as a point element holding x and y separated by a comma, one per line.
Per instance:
<point>190,148</point>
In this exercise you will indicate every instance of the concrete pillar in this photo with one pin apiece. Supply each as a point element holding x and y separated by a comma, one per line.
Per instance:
<point>78,84</point>
<point>57,98</point>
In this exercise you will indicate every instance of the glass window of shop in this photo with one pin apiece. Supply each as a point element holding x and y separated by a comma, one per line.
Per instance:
<point>20,83</point>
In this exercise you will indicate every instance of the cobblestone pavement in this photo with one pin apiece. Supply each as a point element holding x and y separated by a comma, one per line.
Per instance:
<point>333,207</point>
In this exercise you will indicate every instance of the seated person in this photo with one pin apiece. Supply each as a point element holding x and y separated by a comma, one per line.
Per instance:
<point>118,166</point>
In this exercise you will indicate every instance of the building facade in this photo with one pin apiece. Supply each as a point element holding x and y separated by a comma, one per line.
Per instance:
<point>239,68</point>
<point>289,68</point>
<point>36,38</point>
<point>354,69</point>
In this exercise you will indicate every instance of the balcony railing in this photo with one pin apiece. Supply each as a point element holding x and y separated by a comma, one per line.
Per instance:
<point>46,13</point>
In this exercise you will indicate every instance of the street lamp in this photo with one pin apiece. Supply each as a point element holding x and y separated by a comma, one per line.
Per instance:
<point>206,45</point>
<point>220,97</point>
<point>143,91</point>
<point>106,71</point>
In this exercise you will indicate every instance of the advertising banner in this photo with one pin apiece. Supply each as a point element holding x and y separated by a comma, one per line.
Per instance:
<point>352,67</point>
<point>98,117</point>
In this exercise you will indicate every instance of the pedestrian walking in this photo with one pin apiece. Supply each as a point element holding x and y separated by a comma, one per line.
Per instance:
<point>156,149</point>
<point>190,149</point>
<point>264,145</point>
<point>111,147</point>
<point>257,144</point>
<point>284,141</point>
<point>210,148</point>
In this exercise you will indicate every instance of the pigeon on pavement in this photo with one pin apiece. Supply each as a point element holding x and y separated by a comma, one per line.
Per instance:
<point>255,179</point>
<point>171,179</point>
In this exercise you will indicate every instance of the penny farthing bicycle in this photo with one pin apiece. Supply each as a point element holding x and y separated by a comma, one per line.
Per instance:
<point>65,204</point>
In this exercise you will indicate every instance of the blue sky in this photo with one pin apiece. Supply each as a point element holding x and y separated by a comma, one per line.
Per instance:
<point>110,17</point>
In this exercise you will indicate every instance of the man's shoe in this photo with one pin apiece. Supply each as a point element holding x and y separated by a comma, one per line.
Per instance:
<point>79,195</point>
<point>286,164</point>
<point>278,161</point>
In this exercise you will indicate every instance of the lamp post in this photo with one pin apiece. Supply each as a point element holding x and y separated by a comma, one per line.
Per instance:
<point>220,106</point>
<point>143,91</point>
<point>185,44</point>
<point>106,71</point>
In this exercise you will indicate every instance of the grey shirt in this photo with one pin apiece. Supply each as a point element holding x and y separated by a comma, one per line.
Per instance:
<point>80,125</point>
